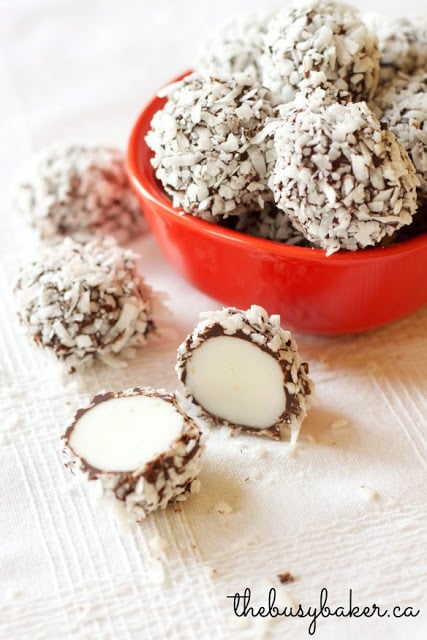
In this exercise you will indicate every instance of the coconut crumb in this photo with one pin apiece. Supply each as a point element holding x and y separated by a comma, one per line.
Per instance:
<point>11,422</point>
<point>261,452</point>
<point>210,572</point>
<point>285,577</point>
<point>223,508</point>
<point>195,486</point>
<point>8,426</point>
<point>340,423</point>
<point>310,438</point>
<point>158,545</point>
<point>403,108</point>
<point>368,493</point>
<point>156,571</point>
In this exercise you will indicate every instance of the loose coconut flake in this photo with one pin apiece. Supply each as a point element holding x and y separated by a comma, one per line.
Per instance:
<point>344,180</point>
<point>76,190</point>
<point>244,370</point>
<point>139,445</point>
<point>206,151</point>
<point>320,42</point>
<point>85,302</point>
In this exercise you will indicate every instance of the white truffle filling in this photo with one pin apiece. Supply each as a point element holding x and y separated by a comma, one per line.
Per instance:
<point>125,433</point>
<point>236,380</point>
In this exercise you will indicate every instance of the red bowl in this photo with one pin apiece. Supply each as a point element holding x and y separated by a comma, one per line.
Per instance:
<point>342,293</point>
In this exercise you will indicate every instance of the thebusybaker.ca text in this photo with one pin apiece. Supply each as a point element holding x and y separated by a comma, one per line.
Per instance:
<point>243,608</point>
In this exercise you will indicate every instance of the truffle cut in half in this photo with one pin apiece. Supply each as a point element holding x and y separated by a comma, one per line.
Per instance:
<point>244,370</point>
<point>139,444</point>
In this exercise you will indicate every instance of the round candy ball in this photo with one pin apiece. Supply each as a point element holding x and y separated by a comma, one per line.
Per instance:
<point>77,190</point>
<point>403,45</point>
<point>403,105</point>
<point>235,47</point>
<point>343,179</point>
<point>320,42</point>
<point>209,154</point>
<point>84,302</point>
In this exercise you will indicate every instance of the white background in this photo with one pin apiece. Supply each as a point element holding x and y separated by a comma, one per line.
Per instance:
<point>81,71</point>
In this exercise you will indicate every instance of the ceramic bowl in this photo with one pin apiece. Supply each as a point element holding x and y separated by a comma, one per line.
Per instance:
<point>343,293</point>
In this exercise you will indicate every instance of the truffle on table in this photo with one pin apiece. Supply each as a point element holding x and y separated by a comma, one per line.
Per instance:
<point>206,151</point>
<point>403,108</point>
<point>139,445</point>
<point>85,302</point>
<point>320,42</point>
<point>77,190</point>
<point>343,179</point>
<point>242,369</point>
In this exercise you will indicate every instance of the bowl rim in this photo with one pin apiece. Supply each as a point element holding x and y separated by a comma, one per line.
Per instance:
<point>151,190</point>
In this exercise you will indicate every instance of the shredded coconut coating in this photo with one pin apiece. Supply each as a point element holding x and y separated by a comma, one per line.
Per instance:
<point>170,477</point>
<point>265,331</point>
<point>85,302</point>
<point>320,42</point>
<point>403,45</point>
<point>206,151</point>
<point>403,107</point>
<point>343,179</point>
<point>235,47</point>
<point>270,224</point>
<point>75,190</point>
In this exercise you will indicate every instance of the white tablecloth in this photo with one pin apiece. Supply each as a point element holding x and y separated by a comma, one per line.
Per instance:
<point>346,511</point>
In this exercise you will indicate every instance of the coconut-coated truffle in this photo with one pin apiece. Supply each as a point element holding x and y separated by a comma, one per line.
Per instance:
<point>236,46</point>
<point>403,45</point>
<point>320,42</point>
<point>84,302</point>
<point>343,179</point>
<point>403,108</point>
<point>206,151</point>
<point>78,190</point>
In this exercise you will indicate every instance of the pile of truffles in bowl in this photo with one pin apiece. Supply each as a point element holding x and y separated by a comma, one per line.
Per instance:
<point>289,169</point>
